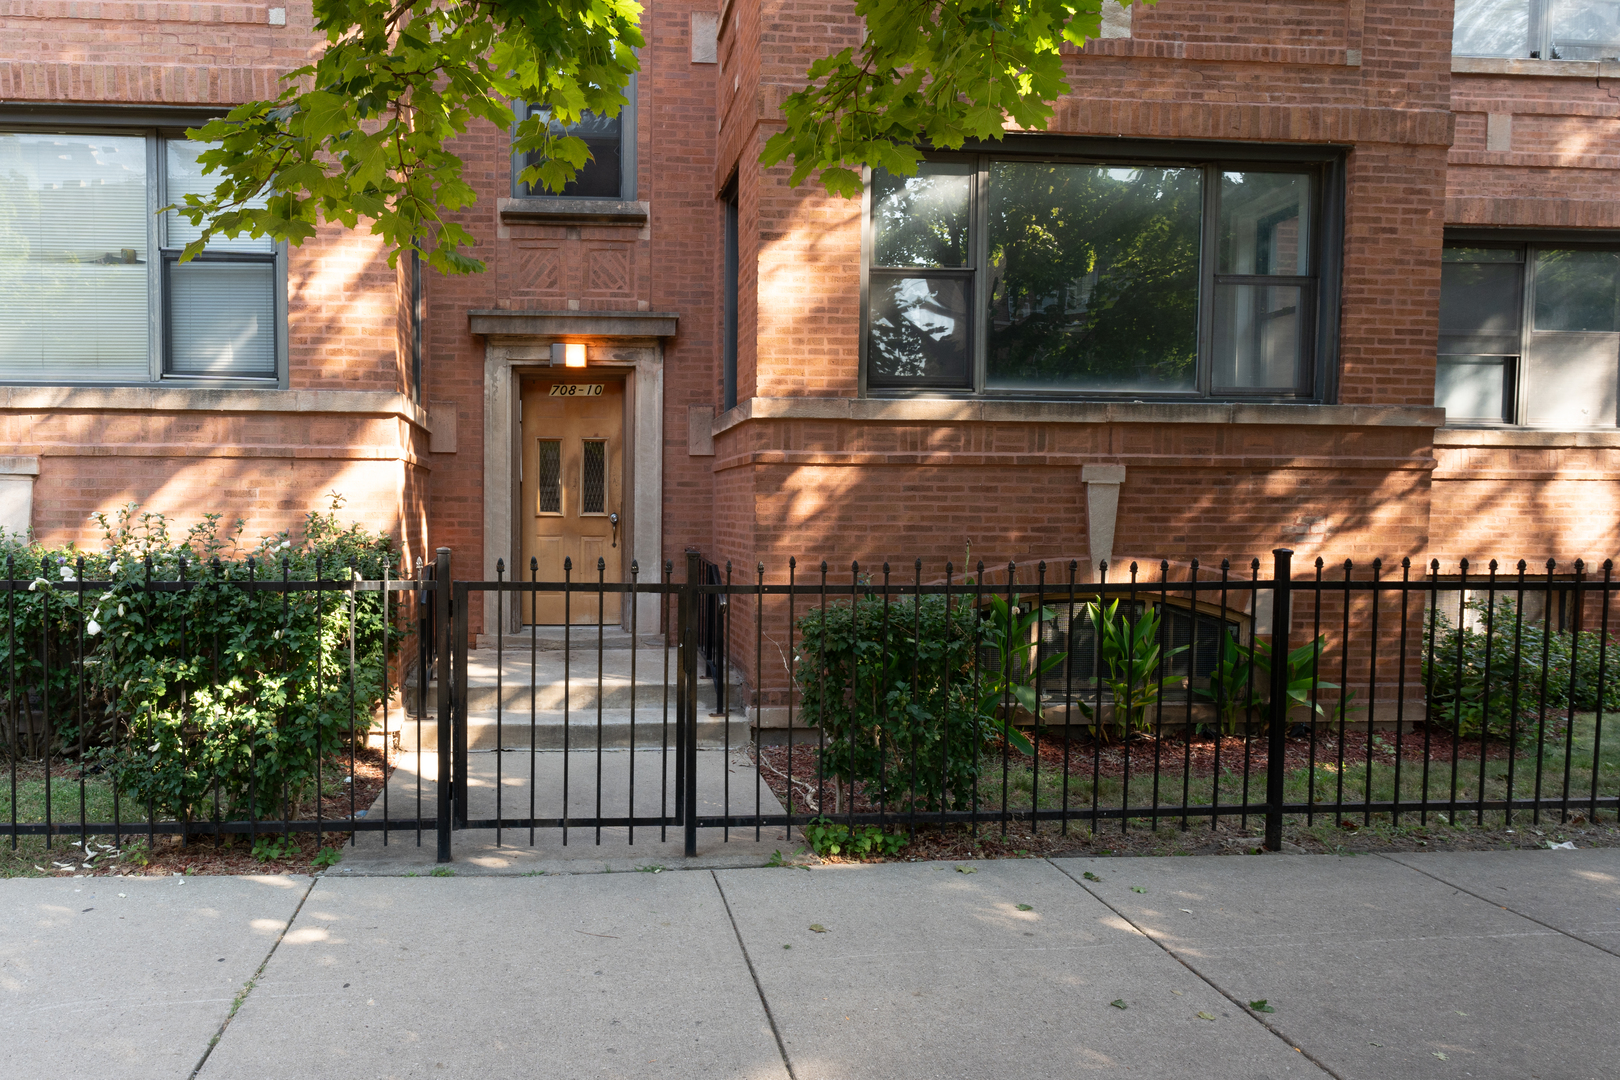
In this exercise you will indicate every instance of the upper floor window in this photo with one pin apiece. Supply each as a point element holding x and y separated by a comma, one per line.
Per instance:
<point>1538,29</point>
<point>1009,276</point>
<point>1529,334</point>
<point>611,171</point>
<point>92,289</point>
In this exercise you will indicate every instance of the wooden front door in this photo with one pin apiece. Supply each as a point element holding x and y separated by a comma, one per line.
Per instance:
<point>572,491</point>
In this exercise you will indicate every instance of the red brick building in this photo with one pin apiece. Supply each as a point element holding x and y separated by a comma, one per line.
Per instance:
<point>1340,276</point>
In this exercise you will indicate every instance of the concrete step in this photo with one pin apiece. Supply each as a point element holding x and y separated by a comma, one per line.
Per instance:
<point>511,730</point>
<point>508,679</point>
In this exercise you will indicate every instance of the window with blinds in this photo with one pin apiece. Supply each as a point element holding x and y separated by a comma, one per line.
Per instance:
<point>91,286</point>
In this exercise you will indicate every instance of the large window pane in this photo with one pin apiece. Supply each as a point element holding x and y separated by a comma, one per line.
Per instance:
<point>1491,28</point>
<point>222,319</point>
<point>73,258</point>
<point>1094,277</point>
<point>1577,290</point>
<point>1265,223</point>
<point>919,331</point>
<point>1477,388</point>
<point>185,177</point>
<point>1257,337</point>
<point>1480,306</point>
<point>1585,29</point>
<point>921,220</point>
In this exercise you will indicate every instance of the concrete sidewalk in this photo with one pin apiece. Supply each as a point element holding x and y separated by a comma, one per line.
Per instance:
<point>1444,965</point>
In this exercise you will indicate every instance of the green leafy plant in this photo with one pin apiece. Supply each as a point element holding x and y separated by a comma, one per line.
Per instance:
<point>891,684</point>
<point>441,871</point>
<point>1010,682</point>
<point>1528,665</point>
<point>328,857</point>
<point>218,694</point>
<point>1241,681</point>
<point>1133,652</point>
<point>828,837</point>
<point>274,848</point>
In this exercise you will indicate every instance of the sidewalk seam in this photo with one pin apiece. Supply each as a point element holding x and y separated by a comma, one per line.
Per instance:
<point>776,1033</point>
<point>241,998</point>
<point>1488,900</point>
<point>1242,1007</point>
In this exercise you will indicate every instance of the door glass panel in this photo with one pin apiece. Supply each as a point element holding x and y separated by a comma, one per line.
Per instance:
<point>1570,380</point>
<point>550,496</point>
<point>1475,387</point>
<point>1577,290</point>
<point>1257,337</point>
<point>593,479</point>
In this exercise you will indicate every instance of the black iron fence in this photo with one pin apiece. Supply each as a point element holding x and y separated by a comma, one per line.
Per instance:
<point>1183,695</point>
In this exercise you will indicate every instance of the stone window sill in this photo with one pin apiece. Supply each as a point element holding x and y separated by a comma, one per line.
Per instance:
<point>945,411</point>
<point>1526,438</point>
<point>187,399</point>
<point>1556,69</point>
<point>565,211</point>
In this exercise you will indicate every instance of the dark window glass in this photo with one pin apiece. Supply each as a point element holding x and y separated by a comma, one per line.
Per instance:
<point>918,330</point>
<point>601,177</point>
<point>550,497</point>
<point>1480,306</point>
<point>922,220</point>
<point>1265,223</point>
<point>593,478</point>
<point>1257,337</point>
<point>1577,290</point>
<point>1093,277</point>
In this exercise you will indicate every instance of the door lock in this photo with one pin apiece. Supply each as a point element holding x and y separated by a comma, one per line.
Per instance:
<point>613,519</point>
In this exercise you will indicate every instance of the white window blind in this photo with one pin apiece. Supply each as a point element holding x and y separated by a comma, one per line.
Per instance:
<point>222,319</point>
<point>74,281</point>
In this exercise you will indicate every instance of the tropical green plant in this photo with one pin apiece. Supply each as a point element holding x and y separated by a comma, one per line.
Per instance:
<point>1133,653</point>
<point>1008,632</point>
<point>1241,681</point>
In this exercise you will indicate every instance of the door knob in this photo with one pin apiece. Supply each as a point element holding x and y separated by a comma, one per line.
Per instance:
<point>613,519</point>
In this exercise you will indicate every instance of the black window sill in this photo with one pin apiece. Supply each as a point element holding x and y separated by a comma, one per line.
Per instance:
<point>565,211</point>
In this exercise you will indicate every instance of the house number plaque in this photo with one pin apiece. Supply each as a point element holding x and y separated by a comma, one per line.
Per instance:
<point>576,390</point>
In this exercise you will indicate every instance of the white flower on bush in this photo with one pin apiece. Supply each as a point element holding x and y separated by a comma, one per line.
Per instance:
<point>112,567</point>
<point>33,586</point>
<point>93,628</point>
<point>285,544</point>
<point>67,573</point>
<point>120,610</point>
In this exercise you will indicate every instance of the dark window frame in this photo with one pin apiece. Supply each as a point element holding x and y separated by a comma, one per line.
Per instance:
<point>1518,383</point>
<point>1327,164</point>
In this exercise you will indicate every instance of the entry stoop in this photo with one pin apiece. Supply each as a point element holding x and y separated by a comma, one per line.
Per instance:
<point>550,693</point>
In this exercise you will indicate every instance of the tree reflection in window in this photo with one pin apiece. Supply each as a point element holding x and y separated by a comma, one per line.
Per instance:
<point>1094,277</point>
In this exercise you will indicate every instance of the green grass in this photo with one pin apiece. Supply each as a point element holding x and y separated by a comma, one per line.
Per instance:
<point>1438,787</point>
<point>65,809</point>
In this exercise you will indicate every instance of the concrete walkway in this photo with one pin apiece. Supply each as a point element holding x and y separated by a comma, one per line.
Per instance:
<point>1444,965</point>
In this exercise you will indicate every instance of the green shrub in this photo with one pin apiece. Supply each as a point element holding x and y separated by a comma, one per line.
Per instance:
<point>828,837</point>
<point>218,694</point>
<point>1454,675</point>
<point>892,686</point>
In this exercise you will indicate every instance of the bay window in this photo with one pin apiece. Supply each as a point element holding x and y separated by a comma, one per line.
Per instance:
<point>1002,275</point>
<point>91,286</point>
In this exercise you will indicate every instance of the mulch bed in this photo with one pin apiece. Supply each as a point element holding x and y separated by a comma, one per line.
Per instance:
<point>172,854</point>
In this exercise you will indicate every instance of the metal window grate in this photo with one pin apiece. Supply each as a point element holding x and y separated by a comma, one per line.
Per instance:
<point>550,499</point>
<point>593,479</point>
